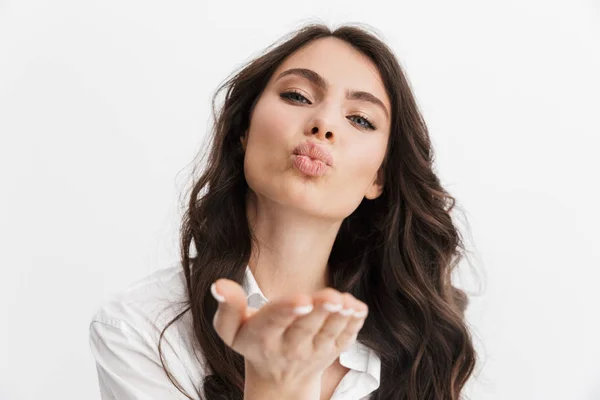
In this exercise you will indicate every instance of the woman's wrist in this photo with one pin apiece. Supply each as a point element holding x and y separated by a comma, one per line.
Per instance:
<point>259,388</point>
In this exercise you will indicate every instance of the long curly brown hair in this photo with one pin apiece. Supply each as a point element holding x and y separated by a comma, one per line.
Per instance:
<point>395,253</point>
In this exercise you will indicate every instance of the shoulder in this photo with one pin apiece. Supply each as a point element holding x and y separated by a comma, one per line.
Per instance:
<point>129,325</point>
<point>148,302</point>
<point>148,305</point>
<point>143,310</point>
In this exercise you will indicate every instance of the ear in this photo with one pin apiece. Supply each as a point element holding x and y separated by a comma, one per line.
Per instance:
<point>376,187</point>
<point>244,140</point>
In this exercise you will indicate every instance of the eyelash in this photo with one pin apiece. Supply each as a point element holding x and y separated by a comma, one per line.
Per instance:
<point>370,125</point>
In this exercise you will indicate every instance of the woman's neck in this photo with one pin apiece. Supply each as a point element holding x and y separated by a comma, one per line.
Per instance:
<point>292,249</point>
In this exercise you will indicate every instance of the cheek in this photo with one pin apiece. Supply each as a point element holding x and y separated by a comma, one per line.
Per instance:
<point>266,134</point>
<point>272,123</point>
<point>270,136</point>
<point>362,163</point>
<point>355,176</point>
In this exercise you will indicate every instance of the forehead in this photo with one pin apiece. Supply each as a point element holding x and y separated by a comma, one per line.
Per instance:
<point>340,64</point>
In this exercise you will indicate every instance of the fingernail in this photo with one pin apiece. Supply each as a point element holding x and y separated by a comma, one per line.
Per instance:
<point>346,312</point>
<point>303,310</point>
<point>217,296</point>
<point>360,314</point>
<point>332,307</point>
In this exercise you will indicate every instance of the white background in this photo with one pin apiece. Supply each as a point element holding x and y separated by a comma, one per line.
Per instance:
<point>103,106</point>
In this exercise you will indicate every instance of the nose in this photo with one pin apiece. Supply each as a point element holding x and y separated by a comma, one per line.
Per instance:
<point>319,134</point>
<point>324,122</point>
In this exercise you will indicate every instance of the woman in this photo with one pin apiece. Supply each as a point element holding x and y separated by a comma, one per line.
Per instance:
<point>323,246</point>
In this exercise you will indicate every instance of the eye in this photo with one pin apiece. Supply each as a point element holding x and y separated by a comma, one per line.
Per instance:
<point>293,94</point>
<point>290,95</point>
<point>367,122</point>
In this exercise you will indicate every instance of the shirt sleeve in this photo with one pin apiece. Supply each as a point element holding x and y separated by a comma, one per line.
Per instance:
<point>128,367</point>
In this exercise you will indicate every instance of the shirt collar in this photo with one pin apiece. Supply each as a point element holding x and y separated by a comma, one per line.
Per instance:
<point>357,357</point>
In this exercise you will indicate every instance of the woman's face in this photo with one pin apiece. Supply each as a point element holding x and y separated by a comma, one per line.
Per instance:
<point>282,120</point>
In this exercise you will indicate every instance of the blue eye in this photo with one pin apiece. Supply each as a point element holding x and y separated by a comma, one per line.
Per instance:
<point>291,94</point>
<point>367,124</point>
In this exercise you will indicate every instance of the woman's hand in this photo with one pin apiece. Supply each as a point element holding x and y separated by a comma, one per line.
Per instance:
<point>291,341</point>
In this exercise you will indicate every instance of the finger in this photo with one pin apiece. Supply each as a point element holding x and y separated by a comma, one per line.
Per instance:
<point>250,311</point>
<point>267,324</point>
<point>231,310</point>
<point>276,316</point>
<point>325,339</point>
<point>303,330</point>
<point>356,321</point>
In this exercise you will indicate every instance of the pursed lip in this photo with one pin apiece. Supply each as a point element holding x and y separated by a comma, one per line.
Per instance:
<point>314,151</point>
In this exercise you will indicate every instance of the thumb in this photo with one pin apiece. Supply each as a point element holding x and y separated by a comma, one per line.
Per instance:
<point>231,310</point>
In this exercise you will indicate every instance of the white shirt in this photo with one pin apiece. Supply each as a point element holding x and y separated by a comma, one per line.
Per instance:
<point>124,336</point>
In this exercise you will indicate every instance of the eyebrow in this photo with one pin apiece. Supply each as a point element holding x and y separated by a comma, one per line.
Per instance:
<point>320,82</point>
